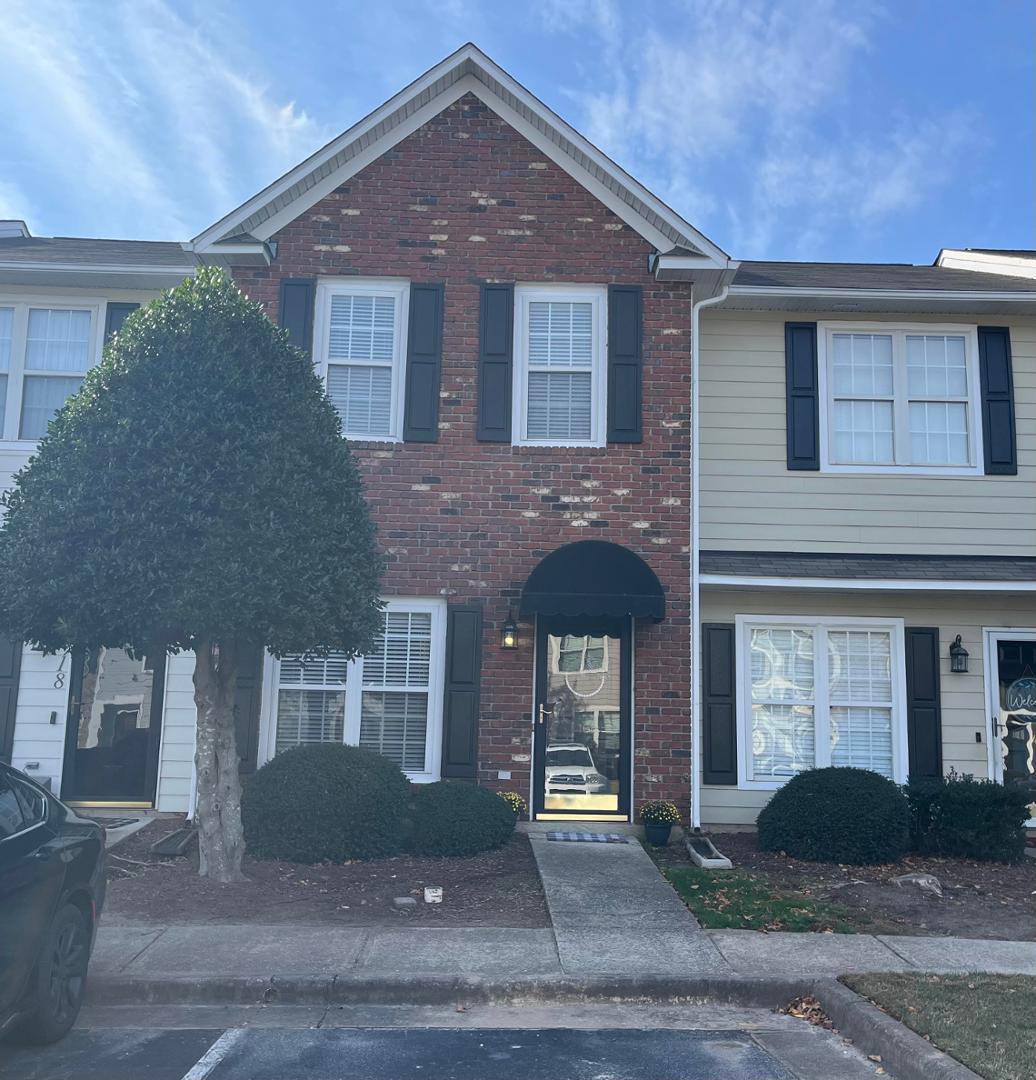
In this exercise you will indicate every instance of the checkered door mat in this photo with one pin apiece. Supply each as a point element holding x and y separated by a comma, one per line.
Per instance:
<point>589,837</point>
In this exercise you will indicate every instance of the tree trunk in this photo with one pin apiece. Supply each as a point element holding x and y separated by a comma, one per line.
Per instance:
<point>221,839</point>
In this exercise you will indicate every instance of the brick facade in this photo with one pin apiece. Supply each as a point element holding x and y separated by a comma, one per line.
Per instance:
<point>465,200</point>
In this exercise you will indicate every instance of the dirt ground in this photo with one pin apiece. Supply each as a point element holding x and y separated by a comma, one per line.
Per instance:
<point>496,888</point>
<point>980,899</point>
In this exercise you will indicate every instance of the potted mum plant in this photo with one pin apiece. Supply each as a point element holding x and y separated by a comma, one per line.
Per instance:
<point>659,817</point>
<point>515,802</point>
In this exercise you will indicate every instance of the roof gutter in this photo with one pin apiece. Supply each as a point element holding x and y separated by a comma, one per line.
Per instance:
<point>886,294</point>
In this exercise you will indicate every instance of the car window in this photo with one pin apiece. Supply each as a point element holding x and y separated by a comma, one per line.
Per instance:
<point>11,820</point>
<point>33,803</point>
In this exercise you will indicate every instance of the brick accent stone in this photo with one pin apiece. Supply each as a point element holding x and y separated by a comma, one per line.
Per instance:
<point>469,520</point>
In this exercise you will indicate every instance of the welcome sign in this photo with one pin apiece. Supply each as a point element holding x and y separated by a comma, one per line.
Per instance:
<point>1021,696</point>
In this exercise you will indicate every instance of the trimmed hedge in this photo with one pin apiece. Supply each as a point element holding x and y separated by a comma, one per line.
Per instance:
<point>326,802</point>
<point>458,819</point>
<point>837,815</point>
<point>968,818</point>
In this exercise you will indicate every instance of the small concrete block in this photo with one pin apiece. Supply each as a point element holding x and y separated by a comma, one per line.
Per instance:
<point>433,894</point>
<point>703,852</point>
<point>404,902</point>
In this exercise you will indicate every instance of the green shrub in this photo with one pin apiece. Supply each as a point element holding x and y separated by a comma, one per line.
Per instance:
<point>968,818</point>
<point>458,819</point>
<point>837,815</point>
<point>326,802</point>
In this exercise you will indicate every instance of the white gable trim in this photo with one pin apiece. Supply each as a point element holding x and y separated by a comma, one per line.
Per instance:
<point>467,71</point>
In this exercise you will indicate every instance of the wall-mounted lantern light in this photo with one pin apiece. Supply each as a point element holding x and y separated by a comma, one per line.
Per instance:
<point>958,657</point>
<point>509,633</point>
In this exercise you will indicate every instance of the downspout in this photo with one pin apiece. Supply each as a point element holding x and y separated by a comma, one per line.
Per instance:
<point>696,688</point>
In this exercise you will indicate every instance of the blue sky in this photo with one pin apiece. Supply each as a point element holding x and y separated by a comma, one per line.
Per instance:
<point>804,129</point>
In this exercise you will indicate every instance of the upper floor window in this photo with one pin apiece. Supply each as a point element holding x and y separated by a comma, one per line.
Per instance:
<point>361,350</point>
<point>559,349</point>
<point>901,398</point>
<point>44,353</point>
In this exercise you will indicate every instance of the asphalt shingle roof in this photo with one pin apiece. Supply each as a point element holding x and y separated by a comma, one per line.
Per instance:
<point>794,564</point>
<point>80,250</point>
<point>806,275</point>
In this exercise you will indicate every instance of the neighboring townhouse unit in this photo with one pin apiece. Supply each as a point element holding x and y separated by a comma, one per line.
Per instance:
<point>506,321</point>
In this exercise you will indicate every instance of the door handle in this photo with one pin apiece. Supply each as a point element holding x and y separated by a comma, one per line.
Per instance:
<point>544,711</point>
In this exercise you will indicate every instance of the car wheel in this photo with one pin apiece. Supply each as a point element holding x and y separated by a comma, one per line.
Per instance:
<point>59,979</point>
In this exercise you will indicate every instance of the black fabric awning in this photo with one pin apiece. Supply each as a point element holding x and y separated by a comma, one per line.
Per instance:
<point>594,578</point>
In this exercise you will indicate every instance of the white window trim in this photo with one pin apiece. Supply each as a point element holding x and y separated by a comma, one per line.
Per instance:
<point>825,358</point>
<point>10,421</point>
<point>523,296</point>
<point>821,718</point>
<point>354,691</point>
<point>399,288</point>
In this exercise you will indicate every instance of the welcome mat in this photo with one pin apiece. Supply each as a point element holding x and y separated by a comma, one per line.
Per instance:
<point>589,837</point>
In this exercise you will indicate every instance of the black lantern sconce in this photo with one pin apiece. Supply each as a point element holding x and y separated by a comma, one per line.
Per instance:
<point>509,633</point>
<point>958,657</point>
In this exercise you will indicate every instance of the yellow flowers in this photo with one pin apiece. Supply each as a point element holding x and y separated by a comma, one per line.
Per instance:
<point>516,802</point>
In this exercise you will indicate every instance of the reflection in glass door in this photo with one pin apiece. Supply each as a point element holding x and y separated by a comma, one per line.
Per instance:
<point>1016,720</point>
<point>582,712</point>
<point>111,742</point>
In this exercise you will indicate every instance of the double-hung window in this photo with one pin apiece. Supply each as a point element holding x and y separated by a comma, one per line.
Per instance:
<point>45,350</point>
<point>560,370</point>
<point>361,350</point>
<point>389,701</point>
<point>901,399</point>
<point>816,692</point>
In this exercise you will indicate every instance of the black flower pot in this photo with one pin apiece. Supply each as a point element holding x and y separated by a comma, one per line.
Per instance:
<point>658,835</point>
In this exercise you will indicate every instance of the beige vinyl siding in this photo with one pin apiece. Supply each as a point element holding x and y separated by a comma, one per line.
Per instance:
<point>36,739</point>
<point>964,707</point>
<point>176,756</point>
<point>750,501</point>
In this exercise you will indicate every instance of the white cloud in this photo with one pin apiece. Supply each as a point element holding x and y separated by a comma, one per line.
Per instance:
<point>137,122</point>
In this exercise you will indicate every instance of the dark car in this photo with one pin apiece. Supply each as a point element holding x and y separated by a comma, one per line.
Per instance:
<point>51,891</point>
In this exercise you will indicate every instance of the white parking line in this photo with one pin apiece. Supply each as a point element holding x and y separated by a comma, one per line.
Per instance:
<point>215,1054</point>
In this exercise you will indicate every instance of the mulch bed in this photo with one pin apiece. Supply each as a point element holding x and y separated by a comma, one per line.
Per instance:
<point>497,888</point>
<point>980,899</point>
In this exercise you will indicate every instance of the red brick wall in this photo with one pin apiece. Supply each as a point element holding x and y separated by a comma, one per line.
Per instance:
<point>463,200</point>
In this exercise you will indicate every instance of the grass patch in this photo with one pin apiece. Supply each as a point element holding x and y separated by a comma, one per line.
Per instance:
<point>725,900</point>
<point>987,1022</point>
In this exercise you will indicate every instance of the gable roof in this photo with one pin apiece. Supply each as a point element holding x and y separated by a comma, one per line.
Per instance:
<point>808,275</point>
<point>468,70</point>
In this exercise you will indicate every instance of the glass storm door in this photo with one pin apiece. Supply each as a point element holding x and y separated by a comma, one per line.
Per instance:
<point>581,739</point>
<point>1015,722</point>
<point>114,720</point>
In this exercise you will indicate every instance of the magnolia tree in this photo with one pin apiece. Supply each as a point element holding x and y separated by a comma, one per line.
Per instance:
<point>196,494</point>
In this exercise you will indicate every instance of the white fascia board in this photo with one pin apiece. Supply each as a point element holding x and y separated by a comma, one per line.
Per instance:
<point>864,584</point>
<point>1020,296</point>
<point>97,268</point>
<point>985,262</point>
<point>474,57</point>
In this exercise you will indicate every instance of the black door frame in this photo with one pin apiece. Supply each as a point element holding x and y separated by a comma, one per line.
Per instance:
<point>72,718</point>
<point>545,625</point>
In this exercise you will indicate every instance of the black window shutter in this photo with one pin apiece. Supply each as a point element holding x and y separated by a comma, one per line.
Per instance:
<point>247,695</point>
<point>802,395</point>
<point>998,430</point>
<point>463,681</point>
<point>115,315</point>
<point>423,364</point>
<point>625,363</point>
<point>496,346</point>
<point>719,704</point>
<point>296,311</point>
<point>924,720</point>
<point>10,668</point>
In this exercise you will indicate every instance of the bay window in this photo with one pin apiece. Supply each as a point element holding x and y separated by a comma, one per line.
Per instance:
<point>389,700</point>
<point>46,348</point>
<point>817,692</point>
<point>560,373</point>
<point>900,399</point>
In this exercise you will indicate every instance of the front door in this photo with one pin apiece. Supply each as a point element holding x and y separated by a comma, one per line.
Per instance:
<point>1014,716</point>
<point>581,744</point>
<point>114,723</point>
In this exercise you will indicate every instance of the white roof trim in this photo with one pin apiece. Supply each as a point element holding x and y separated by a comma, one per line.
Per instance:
<point>987,262</point>
<point>99,268</point>
<point>1020,295</point>
<point>468,70</point>
<point>887,584</point>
